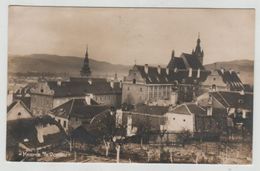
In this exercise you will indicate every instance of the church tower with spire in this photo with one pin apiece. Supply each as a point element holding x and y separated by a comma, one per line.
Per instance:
<point>198,51</point>
<point>85,70</point>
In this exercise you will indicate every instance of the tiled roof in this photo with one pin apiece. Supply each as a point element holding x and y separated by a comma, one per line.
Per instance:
<point>176,62</point>
<point>22,104</point>
<point>186,61</point>
<point>231,78</point>
<point>82,86</point>
<point>188,108</point>
<point>181,76</point>
<point>193,61</point>
<point>153,110</point>
<point>234,99</point>
<point>11,105</point>
<point>195,109</point>
<point>26,129</point>
<point>79,108</point>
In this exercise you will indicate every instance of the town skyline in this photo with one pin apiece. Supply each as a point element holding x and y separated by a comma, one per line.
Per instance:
<point>128,39</point>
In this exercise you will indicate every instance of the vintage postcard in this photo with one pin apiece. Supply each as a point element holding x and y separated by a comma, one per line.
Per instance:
<point>130,85</point>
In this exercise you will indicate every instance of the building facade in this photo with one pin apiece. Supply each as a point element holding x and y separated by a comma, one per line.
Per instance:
<point>181,77</point>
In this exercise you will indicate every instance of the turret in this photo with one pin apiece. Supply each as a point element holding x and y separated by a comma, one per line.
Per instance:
<point>198,51</point>
<point>85,70</point>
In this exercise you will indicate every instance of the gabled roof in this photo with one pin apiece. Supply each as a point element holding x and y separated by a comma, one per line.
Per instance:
<point>231,78</point>
<point>176,62</point>
<point>16,102</point>
<point>188,109</point>
<point>234,99</point>
<point>186,61</point>
<point>25,129</point>
<point>181,76</point>
<point>193,61</point>
<point>81,86</point>
<point>79,108</point>
<point>153,110</point>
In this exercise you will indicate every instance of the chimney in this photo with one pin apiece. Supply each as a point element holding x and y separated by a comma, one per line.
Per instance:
<point>230,71</point>
<point>120,84</point>
<point>167,71</point>
<point>146,68</point>
<point>115,78</point>
<point>159,69</point>
<point>242,92</point>
<point>112,83</point>
<point>90,81</point>
<point>238,74</point>
<point>198,73</point>
<point>190,72</point>
<point>222,70</point>
<point>88,98</point>
<point>59,83</point>
<point>173,53</point>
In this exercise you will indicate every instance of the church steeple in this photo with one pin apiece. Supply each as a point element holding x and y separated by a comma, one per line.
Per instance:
<point>85,70</point>
<point>198,50</point>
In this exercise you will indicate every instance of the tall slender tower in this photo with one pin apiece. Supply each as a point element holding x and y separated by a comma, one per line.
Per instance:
<point>198,51</point>
<point>85,70</point>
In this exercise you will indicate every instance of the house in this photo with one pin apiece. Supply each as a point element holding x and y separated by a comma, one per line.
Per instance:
<point>148,83</point>
<point>222,80</point>
<point>34,134</point>
<point>49,94</point>
<point>18,110</point>
<point>157,124</point>
<point>233,101</point>
<point>77,112</point>
<point>194,118</point>
<point>238,105</point>
<point>141,117</point>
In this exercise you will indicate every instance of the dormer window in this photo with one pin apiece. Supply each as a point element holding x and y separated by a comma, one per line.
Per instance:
<point>240,101</point>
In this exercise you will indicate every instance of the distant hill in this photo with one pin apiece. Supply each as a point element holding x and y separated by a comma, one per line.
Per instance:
<point>71,65</point>
<point>60,64</point>
<point>244,67</point>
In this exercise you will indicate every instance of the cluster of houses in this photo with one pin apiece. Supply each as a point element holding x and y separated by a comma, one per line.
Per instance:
<point>183,96</point>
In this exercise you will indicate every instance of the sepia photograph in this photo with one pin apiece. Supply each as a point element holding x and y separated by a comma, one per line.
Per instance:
<point>130,85</point>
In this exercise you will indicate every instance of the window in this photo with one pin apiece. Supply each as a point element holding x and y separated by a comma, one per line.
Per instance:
<point>240,101</point>
<point>41,90</point>
<point>134,81</point>
<point>59,120</point>
<point>19,113</point>
<point>214,87</point>
<point>173,118</point>
<point>141,89</point>
<point>184,120</point>
<point>214,78</point>
<point>64,124</point>
<point>128,88</point>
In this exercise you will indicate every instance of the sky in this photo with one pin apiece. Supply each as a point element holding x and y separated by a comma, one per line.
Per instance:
<point>131,35</point>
